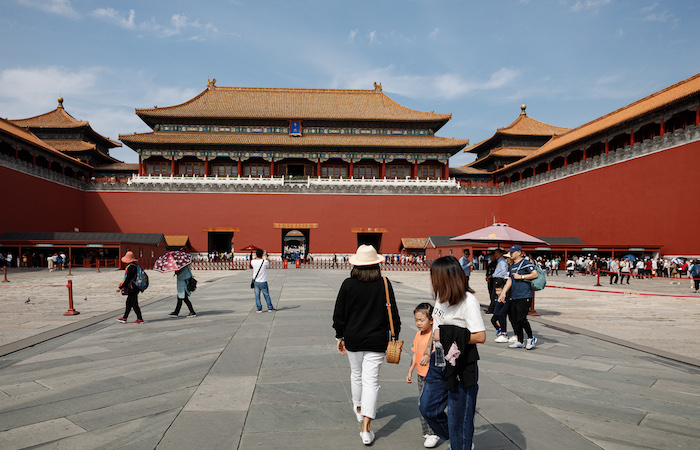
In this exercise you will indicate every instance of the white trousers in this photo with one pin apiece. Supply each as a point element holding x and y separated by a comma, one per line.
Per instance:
<point>364,380</point>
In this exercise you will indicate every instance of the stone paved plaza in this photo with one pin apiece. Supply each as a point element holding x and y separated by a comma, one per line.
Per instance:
<point>610,371</point>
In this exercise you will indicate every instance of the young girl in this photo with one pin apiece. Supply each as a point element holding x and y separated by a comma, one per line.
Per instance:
<point>421,359</point>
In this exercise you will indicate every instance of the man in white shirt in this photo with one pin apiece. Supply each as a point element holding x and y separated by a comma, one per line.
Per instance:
<point>260,265</point>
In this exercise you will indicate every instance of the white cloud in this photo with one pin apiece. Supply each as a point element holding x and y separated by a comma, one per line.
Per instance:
<point>433,34</point>
<point>180,24</point>
<point>351,36</point>
<point>581,5</point>
<point>60,7</point>
<point>116,17</point>
<point>372,36</point>
<point>445,86</point>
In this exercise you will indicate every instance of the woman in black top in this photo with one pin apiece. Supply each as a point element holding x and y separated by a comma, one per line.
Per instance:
<point>127,288</point>
<point>362,331</point>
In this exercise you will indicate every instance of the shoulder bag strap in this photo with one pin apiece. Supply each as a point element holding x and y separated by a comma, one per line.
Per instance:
<point>259,269</point>
<point>388,308</point>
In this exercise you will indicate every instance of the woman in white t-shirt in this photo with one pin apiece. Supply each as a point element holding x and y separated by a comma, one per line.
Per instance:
<point>458,326</point>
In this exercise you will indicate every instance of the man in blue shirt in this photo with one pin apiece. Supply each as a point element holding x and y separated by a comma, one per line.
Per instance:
<point>520,272</point>
<point>466,262</point>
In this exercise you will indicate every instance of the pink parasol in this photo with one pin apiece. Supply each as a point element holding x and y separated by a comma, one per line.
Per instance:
<point>172,261</point>
<point>499,233</point>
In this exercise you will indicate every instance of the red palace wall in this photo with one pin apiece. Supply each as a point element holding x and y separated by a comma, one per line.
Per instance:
<point>255,214</point>
<point>29,203</point>
<point>650,200</point>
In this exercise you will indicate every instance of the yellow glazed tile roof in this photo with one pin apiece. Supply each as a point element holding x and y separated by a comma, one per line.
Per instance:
<point>678,91</point>
<point>283,103</point>
<point>468,170</point>
<point>59,118</point>
<point>524,125</point>
<point>66,145</point>
<point>176,241</point>
<point>414,243</point>
<point>17,132</point>
<point>133,140</point>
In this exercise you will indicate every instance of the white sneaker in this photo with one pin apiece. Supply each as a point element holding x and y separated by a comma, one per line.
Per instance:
<point>357,414</point>
<point>502,338</point>
<point>516,344</point>
<point>431,440</point>
<point>512,339</point>
<point>367,437</point>
<point>531,343</point>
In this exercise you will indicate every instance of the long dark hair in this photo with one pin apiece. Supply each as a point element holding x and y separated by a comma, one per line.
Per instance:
<point>366,273</point>
<point>450,284</point>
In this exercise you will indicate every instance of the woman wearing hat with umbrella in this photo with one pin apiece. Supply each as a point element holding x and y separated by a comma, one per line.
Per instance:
<point>362,331</point>
<point>127,288</point>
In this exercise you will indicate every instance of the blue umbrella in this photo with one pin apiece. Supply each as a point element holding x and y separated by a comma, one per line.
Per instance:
<point>630,257</point>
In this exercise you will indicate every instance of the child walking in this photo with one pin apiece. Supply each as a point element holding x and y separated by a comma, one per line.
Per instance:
<point>500,312</point>
<point>421,358</point>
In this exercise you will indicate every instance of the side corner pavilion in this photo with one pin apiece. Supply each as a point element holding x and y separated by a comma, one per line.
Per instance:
<point>239,131</point>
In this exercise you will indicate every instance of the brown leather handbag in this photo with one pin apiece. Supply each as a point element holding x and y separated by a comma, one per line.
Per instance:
<point>393,348</point>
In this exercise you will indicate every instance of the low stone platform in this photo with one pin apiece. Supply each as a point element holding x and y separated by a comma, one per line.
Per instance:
<point>231,378</point>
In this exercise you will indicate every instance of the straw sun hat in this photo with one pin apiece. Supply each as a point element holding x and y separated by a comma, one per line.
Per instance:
<point>366,256</point>
<point>129,257</point>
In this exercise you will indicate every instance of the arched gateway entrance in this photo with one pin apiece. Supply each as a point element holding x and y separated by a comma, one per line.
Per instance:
<point>294,244</point>
<point>295,239</point>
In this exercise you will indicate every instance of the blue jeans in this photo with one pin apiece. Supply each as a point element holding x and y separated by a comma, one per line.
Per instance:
<point>266,292</point>
<point>457,425</point>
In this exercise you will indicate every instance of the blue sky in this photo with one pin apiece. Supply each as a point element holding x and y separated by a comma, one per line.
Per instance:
<point>570,61</point>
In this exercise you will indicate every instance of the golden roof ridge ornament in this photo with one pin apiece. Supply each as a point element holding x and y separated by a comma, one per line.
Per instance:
<point>211,84</point>
<point>60,102</point>
<point>522,109</point>
<point>377,87</point>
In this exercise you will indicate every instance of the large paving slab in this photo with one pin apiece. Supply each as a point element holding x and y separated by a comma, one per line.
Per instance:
<point>232,378</point>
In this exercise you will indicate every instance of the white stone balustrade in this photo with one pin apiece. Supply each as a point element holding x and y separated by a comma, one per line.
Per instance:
<point>413,182</point>
<point>206,180</point>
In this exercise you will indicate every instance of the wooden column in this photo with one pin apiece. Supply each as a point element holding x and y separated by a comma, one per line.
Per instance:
<point>140,166</point>
<point>239,169</point>
<point>447,170</point>
<point>607,146</point>
<point>206,165</point>
<point>383,174</point>
<point>172,165</point>
<point>697,115</point>
<point>521,176</point>
<point>318,167</point>
<point>34,160</point>
<point>272,167</point>
<point>352,169</point>
<point>584,153</point>
<point>549,166</point>
<point>415,169</point>
<point>566,160</point>
<point>662,128</point>
<point>632,138</point>
<point>63,170</point>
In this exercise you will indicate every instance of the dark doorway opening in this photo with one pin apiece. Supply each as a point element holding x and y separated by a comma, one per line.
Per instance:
<point>295,243</point>
<point>295,170</point>
<point>373,239</point>
<point>220,241</point>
